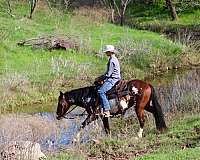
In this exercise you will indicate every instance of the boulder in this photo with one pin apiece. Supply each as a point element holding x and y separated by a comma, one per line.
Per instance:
<point>21,150</point>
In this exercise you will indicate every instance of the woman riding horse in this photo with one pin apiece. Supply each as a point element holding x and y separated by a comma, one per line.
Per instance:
<point>142,97</point>
<point>110,78</point>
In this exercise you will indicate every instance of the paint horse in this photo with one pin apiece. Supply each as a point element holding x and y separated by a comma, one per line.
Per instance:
<point>141,96</point>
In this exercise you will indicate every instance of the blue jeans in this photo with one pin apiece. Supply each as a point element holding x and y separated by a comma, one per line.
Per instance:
<point>102,95</point>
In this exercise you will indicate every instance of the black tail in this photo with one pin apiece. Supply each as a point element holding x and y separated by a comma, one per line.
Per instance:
<point>157,111</point>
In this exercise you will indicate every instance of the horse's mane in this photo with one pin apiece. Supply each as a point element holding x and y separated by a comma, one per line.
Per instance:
<point>79,94</point>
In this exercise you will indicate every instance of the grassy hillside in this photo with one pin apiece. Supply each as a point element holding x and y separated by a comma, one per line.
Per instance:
<point>36,75</point>
<point>157,18</point>
<point>188,13</point>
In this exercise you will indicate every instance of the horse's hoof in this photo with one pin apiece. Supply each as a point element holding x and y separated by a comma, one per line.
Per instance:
<point>136,138</point>
<point>74,140</point>
<point>139,136</point>
<point>96,141</point>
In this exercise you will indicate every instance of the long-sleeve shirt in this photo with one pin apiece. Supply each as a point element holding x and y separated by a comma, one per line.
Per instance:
<point>112,73</point>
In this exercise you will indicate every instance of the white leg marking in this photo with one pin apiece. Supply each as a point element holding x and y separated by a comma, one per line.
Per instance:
<point>77,138</point>
<point>140,133</point>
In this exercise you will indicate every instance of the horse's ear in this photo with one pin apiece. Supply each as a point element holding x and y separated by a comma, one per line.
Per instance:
<point>61,94</point>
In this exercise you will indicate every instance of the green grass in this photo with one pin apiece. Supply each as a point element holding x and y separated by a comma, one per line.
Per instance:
<point>188,14</point>
<point>189,153</point>
<point>187,20</point>
<point>182,141</point>
<point>70,155</point>
<point>163,23</point>
<point>94,36</point>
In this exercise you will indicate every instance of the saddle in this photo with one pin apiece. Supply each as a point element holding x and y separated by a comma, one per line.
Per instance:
<point>119,90</point>
<point>118,96</point>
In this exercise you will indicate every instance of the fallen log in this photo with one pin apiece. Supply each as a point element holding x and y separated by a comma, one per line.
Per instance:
<point>51,42</point>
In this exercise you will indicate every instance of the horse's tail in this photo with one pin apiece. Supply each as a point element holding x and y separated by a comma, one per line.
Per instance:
<point>157,111</point>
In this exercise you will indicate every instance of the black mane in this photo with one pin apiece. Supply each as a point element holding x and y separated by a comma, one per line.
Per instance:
<point>82,96</point>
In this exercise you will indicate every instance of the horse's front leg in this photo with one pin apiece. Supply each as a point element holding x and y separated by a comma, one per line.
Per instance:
<point>89,119</point>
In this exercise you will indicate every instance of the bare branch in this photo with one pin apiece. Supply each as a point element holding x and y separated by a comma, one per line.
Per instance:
<point>7,8</point>
<point>117,7</point>
<point>49,5</point>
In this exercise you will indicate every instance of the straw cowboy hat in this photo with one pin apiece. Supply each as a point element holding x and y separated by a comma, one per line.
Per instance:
<point>109,48</point>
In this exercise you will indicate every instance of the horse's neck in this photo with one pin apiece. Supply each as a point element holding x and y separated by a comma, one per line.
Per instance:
<point>79,96</point>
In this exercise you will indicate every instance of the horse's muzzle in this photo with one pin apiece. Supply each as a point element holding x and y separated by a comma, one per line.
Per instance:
<point>59,117</point>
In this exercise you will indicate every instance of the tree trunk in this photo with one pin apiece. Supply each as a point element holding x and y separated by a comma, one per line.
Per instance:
<point>33,5</point>
<point>172,9</point>
<point>122,11</point>
<point>112,11</point>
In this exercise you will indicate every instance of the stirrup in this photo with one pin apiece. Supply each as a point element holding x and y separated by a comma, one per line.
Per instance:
<point>106,114</point>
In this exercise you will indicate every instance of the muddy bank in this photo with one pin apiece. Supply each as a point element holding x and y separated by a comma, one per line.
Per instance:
<point>176,32</point>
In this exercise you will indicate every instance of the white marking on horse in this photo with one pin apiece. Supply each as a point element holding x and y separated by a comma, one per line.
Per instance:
<point>135,90</point>
<point>88,100</point>
<point>123,104</point>
<point>151,103</point>
<point>140,133</point>
<point>77,138</point>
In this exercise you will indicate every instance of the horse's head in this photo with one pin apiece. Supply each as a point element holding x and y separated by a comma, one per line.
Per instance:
<point>63,106</point>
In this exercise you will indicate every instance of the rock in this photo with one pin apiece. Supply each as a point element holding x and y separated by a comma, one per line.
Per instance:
<point>21,150</point>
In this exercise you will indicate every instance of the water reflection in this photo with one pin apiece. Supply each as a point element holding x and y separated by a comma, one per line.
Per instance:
<point>65,135</point>
<point>182,93</point>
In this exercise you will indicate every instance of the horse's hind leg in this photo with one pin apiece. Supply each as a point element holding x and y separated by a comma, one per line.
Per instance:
<point>142,101</point>
<point>140,115</point>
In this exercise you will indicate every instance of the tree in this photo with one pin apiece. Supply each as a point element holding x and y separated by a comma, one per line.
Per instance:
<point>33,6</point>
<point>120,8</point>
<point>123,6</point>
<point>172,9</point>
<point>112,11</point>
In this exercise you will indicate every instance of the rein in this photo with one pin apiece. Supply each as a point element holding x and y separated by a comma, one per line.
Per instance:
<point>82,114</point>
<point>71,110</point>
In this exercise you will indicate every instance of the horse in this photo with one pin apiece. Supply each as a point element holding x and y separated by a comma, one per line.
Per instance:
<point>141,96</point>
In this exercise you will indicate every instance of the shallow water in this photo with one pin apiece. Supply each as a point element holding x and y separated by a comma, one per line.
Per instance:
<point>65,135</point>
<point>44,128</point>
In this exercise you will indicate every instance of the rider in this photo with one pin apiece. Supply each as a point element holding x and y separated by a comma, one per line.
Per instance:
<point>110,77</point>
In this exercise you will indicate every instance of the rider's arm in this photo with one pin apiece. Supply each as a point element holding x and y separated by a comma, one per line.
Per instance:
<point>110,69</point>
<point>108,73</point>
